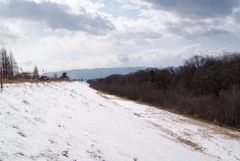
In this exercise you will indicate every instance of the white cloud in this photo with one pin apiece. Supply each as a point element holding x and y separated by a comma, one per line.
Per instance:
<point>175,22</point>
<point>164,58</point>
<point>28,62</point>
<point>56,16</point>
<point>72,34</point>
<point>122,57</point>
<point>10,32</point>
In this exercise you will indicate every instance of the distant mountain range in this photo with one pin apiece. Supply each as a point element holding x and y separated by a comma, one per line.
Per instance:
<point>96,72</point>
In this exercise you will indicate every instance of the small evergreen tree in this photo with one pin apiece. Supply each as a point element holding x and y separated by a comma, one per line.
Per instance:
<point>35,72</point>
<point>152,77</point>
<point>154,80</point>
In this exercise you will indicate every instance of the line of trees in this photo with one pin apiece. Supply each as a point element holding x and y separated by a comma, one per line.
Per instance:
<point>8,63</point>
<point>205,87</point>
<point>11,69</point>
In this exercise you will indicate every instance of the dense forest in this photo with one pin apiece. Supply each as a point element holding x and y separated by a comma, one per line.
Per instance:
<point>205,87</point>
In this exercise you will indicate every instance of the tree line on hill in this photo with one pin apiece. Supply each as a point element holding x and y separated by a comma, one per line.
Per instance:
<point>205,87</point>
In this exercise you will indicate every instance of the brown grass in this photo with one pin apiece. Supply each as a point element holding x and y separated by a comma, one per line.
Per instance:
<point>102,94</point>
<point>190,143</point>
<point>237,137</point>
<point>21,153</point>
<point>138,115</point>
<point>23,80</point>
<point>22,134</point>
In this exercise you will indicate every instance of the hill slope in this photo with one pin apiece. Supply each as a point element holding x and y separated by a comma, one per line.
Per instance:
<point>70,121</point>
<point>96,72</point>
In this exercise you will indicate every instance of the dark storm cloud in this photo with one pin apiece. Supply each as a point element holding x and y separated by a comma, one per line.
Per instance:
<point>196,8</point>
<point>56,16</point>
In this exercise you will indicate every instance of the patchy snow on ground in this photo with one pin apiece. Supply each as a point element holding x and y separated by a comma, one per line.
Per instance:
<point>68,121</point>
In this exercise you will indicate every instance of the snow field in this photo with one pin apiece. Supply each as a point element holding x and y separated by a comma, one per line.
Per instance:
<point>69,121</point>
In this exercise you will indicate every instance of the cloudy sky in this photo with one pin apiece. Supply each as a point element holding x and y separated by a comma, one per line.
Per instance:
<point>77,34</point>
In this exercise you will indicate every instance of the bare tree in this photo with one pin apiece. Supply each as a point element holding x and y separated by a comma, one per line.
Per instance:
<point>13,67</point>
<point>4,61</point>
<point>8,63</point>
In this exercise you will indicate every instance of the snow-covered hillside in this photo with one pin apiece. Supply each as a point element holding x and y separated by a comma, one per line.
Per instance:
<point>70,121</point>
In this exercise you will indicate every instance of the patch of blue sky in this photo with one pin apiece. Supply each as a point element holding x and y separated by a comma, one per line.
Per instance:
<point>116,9</point>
